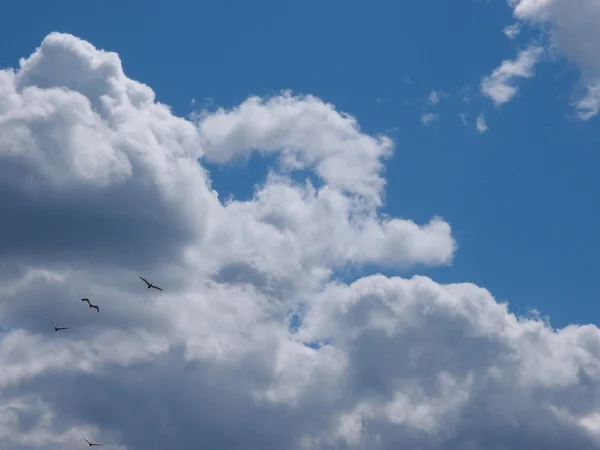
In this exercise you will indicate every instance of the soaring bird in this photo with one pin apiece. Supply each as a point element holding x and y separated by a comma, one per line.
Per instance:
<point>91,306</point>
<point>59,328</point>
<point>90,444</point>
<point>150,285</point>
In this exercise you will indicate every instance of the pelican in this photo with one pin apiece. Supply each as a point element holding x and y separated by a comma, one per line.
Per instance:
<point>90,444</point>
<point>59,328</point>
<point>91,306</point>
<point>150,285</point>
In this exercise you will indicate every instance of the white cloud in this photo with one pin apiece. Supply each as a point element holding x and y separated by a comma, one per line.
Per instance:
<point>463,118</point>
<point>589,104</point>
<point>99,183</point>
<point>427,118</point>
<point>512,31</point>
<point>434,97</point>
<point>480,124</point>
<point>573,30</point>
<point>500,85</point>
<point>307,132</point>
<point>432,101</point>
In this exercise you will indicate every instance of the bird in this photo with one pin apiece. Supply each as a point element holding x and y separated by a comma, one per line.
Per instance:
<point>91,306</point>
<point>150,285</point>
<point>59,328</point>
<point>90,444</point>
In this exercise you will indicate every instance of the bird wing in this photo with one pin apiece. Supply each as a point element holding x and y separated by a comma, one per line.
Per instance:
<point>97,308</point>
<point>85,300</point>
<point>53,324</point>
<point>63,328</point>
<point>85,440</point>
<point>156,287</point>
<point>145,281</point>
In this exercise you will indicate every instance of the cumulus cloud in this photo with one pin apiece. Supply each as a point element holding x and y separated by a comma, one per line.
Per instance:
<point>500,85</point>
<point>255,342</point>
<point>307,132</point>
<point>573,30</point>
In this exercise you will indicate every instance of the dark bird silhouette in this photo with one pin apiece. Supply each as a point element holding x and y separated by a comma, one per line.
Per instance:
<point>90,444</point>
<point>59,328</point>
<point>91,306</point>
<point>150,285</point>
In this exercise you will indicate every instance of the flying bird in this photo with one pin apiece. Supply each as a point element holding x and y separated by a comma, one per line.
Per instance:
<point>150,285</point>
<point>59,328</point>
<point>90,444</point>
<point>91,306</point>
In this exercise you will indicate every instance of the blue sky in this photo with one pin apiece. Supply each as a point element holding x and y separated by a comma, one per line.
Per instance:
<point>521,198</point>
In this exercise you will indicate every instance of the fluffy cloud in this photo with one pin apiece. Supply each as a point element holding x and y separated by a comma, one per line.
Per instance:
<point>573,30</point>
<point>500,85</point>
<point>254,343</point>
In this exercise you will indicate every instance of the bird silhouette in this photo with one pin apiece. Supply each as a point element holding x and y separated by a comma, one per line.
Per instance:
<point>150,285</point>
<point>91,306</point>
<point>90,444</point>
<point>59,328</point>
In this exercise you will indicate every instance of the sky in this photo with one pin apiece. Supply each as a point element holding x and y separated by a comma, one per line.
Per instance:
<point>374,224</point>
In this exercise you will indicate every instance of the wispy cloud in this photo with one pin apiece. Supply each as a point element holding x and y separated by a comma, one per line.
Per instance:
<point>480,124</point>
<point>512,31</point>
<point>434,97</point>
<point>427,118</point>
<point>588,106</point>
<point>499,86</point>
